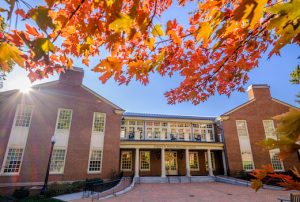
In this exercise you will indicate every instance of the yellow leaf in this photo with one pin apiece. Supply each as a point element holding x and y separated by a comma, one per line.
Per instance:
<point>122,23</point>
<point>41,47</point>
<point>10,53</point>
<point>205,30</point>
<point>251,10</point>
<point>157,31</point>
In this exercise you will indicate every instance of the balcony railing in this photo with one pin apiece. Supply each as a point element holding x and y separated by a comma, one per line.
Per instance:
<point>171,137</point>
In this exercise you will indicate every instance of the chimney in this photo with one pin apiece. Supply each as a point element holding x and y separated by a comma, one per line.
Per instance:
<point>72,76</point>
<point>259,91</point>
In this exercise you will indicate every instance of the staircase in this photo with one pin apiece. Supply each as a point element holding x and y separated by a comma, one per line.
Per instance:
<point>175,179</point>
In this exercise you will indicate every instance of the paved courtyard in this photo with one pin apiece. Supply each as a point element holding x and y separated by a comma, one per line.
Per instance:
<point>200,192</point>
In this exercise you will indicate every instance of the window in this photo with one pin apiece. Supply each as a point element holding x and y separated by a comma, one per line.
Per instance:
<point>248,165</point>
<point>247,160</point>
<point>269,129</point>
<point>95,161</point>
<point>275,160</point>
<point>211,135</point>
<point>156,133</point>
<point>194,160</point>
<point>132,123</point>
<point>99,121</point>
<point>212,154</point>
<point>241,126</point>
<point>149,133</point>
<point>64,119</point>
<point>57,161</point>
<point>145,160</point>
<point>13,160</point>
<point>126,160</point>
<point>23,116</point>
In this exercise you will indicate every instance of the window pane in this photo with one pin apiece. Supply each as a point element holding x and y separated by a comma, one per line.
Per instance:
<point>126,160</point>
<point>275,160</point>
<point>194,161</point>
<point>64,119</point>
<point>145,160</point>
<point>95,161</point>
<point>99,121</point>
<point>57,161</point>
<point>23,116</point>
<point>13,160</point>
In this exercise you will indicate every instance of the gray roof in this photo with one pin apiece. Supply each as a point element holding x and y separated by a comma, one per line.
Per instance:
<point>167,116</point>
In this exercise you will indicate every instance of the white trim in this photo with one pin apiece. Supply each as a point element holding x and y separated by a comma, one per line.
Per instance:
<point>285,104</point>
<point>101,98</point>
<point>101,161</point>
<point>239,107</point>
<point>64,164</point>
<point>246,139</point>
<point>274,152</point>
<point>104,124</point>
<point>57,119</point>
<point>12,145</point>
<point>130,161</point>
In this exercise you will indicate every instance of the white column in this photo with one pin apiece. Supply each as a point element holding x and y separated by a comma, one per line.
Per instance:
<point>224,162</point>
<point>210,168</point>
<point>163,163</point>
<point>187,163</point>
<point>137,162</point>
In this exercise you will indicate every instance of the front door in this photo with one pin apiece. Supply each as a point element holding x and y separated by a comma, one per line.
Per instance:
<point>171,163</point>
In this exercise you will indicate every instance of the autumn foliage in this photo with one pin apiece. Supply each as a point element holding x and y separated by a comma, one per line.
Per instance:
<point>221,42</point>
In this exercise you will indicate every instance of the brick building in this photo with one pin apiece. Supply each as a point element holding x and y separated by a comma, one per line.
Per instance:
<point>95,138</point>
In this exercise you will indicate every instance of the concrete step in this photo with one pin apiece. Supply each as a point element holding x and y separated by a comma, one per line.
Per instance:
<point>146,180</point>
<point>174,180</point>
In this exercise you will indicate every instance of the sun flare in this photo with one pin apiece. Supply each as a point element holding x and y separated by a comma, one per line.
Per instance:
<point>22,83</point>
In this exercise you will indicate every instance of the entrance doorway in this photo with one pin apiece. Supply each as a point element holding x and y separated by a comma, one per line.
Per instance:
<point>171,163</point>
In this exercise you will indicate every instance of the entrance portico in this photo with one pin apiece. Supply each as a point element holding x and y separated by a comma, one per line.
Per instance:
<point>169,159</point>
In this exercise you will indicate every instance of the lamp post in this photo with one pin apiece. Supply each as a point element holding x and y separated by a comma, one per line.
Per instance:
<point>43,190</point>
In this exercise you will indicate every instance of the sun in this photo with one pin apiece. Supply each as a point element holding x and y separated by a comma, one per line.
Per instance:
<point>25,88</point>
<point>22,83</point>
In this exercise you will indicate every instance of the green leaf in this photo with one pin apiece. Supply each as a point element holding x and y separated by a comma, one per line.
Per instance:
<point>157,30</point>
<point>41,17</point>
<point>42,47</point>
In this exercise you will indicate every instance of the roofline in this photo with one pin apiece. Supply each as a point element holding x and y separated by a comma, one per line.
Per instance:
<point>238,107</point>
<point>284,103</point>
<point>9,91</point>
<point>171,117</point>
<point>101,98</point>
<point>45,84</point>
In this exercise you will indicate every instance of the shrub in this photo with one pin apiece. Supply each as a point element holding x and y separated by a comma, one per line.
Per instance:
<point>64,188</point>
<point>21,193</point>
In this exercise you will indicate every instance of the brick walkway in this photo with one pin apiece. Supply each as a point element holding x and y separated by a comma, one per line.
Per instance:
<point>200,192</point>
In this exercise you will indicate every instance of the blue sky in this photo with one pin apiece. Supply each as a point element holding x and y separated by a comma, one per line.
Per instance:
<point>150,99</point>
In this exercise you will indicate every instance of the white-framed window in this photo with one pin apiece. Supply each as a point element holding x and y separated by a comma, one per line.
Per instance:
<point>13,160</point>
<point>95,161</point>
<point>242,129</point>
<point>212,154</point>
<point>145,160</point>
<point>194,161</point>
<point>126,160</point>
<point>23,117</point>
<point>269,129</point>
<point>248,165</point>
<point>275,160</point>
<point>64,119</point>
<point>57,161</point>
<point>99,122</point>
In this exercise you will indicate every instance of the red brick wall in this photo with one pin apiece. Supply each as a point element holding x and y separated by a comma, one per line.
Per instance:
<point>263,108</point>
<point>46,102</point>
